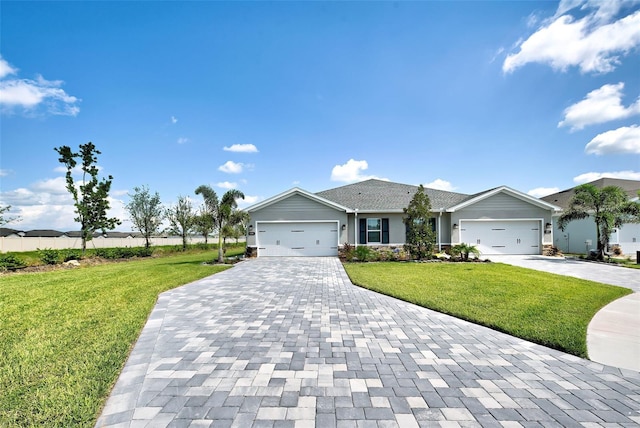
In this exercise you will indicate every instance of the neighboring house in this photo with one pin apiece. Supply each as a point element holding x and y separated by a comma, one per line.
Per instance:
<point>6,232</point>
<point>299,223</point>
<point>580,235</point>
<point>44,233</point>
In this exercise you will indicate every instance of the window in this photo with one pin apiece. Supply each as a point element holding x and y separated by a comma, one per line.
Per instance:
<point>374,229</point>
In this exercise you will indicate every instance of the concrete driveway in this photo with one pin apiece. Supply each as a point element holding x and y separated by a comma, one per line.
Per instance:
<point>292,343</point>
<point>599,272</point>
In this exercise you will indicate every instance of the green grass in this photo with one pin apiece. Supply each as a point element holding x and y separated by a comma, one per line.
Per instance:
<point>65,334</point>
<point>548,309</point>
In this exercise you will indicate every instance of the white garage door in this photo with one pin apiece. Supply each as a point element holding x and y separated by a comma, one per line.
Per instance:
<point>293,239</point>
<point>502,237</point>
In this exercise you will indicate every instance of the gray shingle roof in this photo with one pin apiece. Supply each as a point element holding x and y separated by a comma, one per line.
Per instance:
<point>43,233</point>
<point>379,195</point>
<point>562,198</point>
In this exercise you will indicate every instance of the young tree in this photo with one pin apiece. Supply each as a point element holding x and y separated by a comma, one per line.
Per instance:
<point>203,224</point>
<point>239,220</point>
<point>91,196</point>
<point>420,236</point>
<point>181,219</point>
<point>609,206</point>
<point>146,212</point>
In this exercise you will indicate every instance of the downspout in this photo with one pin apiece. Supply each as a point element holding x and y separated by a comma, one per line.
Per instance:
<point>355,229</point>
<point>439,228</point>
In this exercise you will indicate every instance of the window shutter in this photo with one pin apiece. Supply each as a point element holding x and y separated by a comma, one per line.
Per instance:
<point>385,230</point>
<point>363,231</point>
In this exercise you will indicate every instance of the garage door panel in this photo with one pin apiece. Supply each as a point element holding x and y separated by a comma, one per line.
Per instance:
<point>298,239</point>
<point>502,237</point>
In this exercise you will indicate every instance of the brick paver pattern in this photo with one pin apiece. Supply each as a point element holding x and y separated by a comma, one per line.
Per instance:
<point>292,343</point>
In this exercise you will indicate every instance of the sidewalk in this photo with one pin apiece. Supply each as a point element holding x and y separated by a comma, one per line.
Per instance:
<point>613,335</point>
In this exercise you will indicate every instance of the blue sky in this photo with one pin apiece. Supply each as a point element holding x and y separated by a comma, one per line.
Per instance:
<point>265,96</point>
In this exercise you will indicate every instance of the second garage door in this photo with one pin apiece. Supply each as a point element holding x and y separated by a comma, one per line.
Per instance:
<point>502,237</point>
<point>295,239</point>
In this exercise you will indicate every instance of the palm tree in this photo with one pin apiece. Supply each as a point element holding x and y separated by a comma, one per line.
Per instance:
<point>464,250</point>
<point>220,210</point>
<point>609,206</point>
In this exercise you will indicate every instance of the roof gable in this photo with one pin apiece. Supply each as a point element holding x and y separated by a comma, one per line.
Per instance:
<point>473,199</point>
<point>385,196</point>
<point>296,191</point>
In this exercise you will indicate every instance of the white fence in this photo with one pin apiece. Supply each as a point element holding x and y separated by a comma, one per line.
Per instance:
<point>17,244</point>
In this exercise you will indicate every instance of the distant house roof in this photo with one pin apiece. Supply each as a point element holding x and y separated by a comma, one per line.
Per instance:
<point>43,233</point>
<point>379,195</point>
<point>562,199</point>
<point>5,231</point>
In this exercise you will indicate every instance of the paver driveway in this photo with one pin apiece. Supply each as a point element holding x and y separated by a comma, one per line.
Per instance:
<point>291,342</point>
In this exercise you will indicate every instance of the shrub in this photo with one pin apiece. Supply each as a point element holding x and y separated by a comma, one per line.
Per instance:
<point>348,252</point>
<point>123,252</point>
<point>49,256</point>
<point>363,253</point>
<point>71,255</point>
<point>11,262</point>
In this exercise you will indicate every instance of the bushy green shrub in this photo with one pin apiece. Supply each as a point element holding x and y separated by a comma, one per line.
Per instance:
<point>71,255</point>
<point>49,256</point>
<point>10,262</point>
<point>123,252</point>
<point>363,253</point>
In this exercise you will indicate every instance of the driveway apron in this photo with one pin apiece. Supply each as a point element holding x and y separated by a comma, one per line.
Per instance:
<point>291,342</point>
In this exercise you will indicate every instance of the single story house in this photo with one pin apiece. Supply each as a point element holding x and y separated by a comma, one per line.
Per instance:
<point>300,223</point>
<point>580,235</point>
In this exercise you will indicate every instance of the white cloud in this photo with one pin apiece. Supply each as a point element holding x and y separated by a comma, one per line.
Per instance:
<point>593,43</point>
<point>539,192</point>
<point>29,95</point>
<point>249,200</point>
<point>46,204</point>
<point>227,185</point>
<point>183,140</point>
<point>174,120</point>
<point>351,172</point>
<point>231,167</point>
<point>599,106</point>
<point>241,148</point>
<point>6,68</point>
<point>592,176</point>
<point>440,184</point>
<point>621,140</point>
<point>5,172</point>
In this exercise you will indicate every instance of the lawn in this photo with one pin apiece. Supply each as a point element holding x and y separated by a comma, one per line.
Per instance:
<point>548,309</point>
<point>65,334</point>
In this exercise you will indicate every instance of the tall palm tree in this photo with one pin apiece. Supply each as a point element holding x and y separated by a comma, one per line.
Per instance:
<point>225,216</point>
<point>609,206</point>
